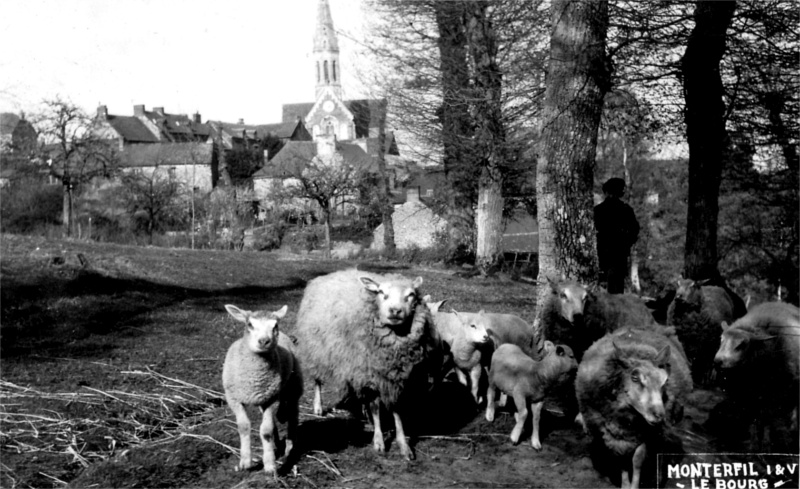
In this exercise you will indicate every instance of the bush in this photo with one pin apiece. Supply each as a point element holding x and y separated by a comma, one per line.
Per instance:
<point>28,206</point>
<point>269,237</point>
<point>305,239</point>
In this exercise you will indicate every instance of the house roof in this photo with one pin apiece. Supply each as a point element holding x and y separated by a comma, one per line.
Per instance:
<point>292,112</point>
<point>8,122</point>
<point>131,129</point>
<point>294,155</point>
<point>166,154</point>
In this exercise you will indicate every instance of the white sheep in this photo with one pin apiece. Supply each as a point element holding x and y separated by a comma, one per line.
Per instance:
<point>463,333</point>
<point>261,370</point>
<point>528,381</point>
<point>364,333</point>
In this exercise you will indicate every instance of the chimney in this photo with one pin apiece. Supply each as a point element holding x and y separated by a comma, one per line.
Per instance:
<point>241,121</point>
<point>412,194</point>
<point>159,110</point>
<point>102,112</point>
<point>196,118</point>
<point>138,110</point>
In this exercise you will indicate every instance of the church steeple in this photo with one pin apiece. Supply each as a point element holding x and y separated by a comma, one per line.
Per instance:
<point>326,52</point>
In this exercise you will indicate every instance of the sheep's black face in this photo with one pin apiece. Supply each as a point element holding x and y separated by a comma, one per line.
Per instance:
<point>395,302</point>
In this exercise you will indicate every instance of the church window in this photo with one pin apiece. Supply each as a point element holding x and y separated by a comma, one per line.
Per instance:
<point>325,69</point>
<point>318,80</point>
<point>334,70</point>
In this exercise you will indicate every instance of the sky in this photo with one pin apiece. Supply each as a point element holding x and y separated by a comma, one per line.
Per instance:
<point>227,60</point>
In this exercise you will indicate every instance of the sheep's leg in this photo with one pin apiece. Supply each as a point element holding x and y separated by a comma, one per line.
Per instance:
<point>462,378</point>
<point>291,428</point>
<point>243,426</point>
<point>536,407</point>
<point>503,399</point>
<point>317,398</point>
<point>401,437</point>
<point>377,436</point>
<point>521,415</point>
<point>638,461</point>
<point>490,393</point>
<point>475,381</point>
<point>625,482</point>
<point>269,435</point>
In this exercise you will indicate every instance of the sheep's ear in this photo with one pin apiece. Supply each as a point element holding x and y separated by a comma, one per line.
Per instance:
<point>553,285</point>
<point>457,314</point>
<point>701,283</point>
<point>549,346</point>
<point>417,283</point>
<point>426,298</point>
<point>725,325</point>
<point>761,337</point>
<point>370,284</point>
<point>617,349</point>
<point>747,302</point>
<point>662,357</point>
<point>280,312</point>
<point>482,312</point>
<point>435,306</point>
<point>237,314</point>
<point>560,351</point>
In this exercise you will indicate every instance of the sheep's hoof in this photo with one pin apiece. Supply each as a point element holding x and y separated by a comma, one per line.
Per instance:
<point>379,446</point>
<point>515,439</point>
<point>489,416</point>
<point>537,446</point>
<point>245,465</point>
<point>409,456</point>
<point>270,470</point>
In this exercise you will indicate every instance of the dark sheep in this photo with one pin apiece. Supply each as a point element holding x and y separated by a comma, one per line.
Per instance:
<point>631,386</point>
<point>696,312</point>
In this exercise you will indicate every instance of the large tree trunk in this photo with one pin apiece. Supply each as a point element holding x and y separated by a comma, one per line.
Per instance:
<point>455,117</point>
<point>577,81</point>
<point>705,132</point>
<point>490,134</point>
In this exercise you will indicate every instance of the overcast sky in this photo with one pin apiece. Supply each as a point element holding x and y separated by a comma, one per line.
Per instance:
<point>228,60</point>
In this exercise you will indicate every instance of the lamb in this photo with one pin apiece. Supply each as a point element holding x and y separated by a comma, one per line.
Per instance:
<point>462,334</point>
<point>759,355</point>
<point>696,313</point>
<point>510,329</point>
<point>631,386</point>
<point>261,370</point>
<point>365,333</point>
<point>528,381</point>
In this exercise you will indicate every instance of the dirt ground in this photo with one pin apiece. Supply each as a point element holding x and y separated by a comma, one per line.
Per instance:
<point>111,359</point>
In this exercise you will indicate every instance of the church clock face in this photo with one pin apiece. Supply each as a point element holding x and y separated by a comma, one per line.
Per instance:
<point>328,106</point>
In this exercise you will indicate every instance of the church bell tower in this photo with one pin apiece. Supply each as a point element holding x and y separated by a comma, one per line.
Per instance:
<point>326,53</point>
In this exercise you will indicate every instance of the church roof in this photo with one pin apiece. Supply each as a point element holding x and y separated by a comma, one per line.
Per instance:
<point>325,35</point>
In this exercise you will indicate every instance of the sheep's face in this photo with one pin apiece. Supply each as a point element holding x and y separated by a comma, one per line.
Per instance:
<point>261,327</point>
<point>474,326</point>
<point>688,292</point>
<point>732,348</point>
<point>643,386</point>
<point>571,300</point>
<point>395,301</point>
<point>559,363</point>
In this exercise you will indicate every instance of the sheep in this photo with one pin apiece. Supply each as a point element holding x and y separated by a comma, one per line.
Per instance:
<point>577,316</point>
<point>364,333</point>
<point>631,385</point>
<point>463,333</point>
<point>528,381</point>
<point>759,355</point>
<point>696,313</point>
<point>260,369</point>
<point>511,329</point>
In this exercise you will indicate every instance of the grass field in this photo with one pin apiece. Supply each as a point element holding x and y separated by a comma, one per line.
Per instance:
<point>111,361</point>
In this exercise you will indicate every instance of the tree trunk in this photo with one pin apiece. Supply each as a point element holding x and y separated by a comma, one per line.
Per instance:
<point>326,215</point>
<point>705,132</point>
<point>455,117</point>
<point>490,136</point>
<point>384,194</point>
<point>577,81</point>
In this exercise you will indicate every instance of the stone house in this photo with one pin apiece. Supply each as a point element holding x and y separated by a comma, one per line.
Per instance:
<point>415,224</point>
<point>189,162</point>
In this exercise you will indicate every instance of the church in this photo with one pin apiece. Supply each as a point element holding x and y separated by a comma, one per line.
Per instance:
<point>348,128</point>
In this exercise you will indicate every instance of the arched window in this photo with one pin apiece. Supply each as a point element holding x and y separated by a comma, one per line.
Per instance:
<point>318,80</point>
<point>334,70</point>
<point>325,69</point>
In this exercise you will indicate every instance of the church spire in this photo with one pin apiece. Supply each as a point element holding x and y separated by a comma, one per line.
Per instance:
<point>326,52</point>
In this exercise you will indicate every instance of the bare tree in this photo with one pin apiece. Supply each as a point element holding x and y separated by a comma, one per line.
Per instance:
<point>151,198</point>
<point>74,151</point>
<point>577,81</point>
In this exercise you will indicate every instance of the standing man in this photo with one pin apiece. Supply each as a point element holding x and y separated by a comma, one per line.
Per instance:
<point>617,230</point>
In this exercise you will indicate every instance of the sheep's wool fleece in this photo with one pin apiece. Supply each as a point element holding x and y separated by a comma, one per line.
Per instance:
<point>599,387</point>
<point>341,341</point>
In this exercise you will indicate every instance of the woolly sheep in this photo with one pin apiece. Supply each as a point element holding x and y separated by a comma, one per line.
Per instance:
<point>631,385</point>
<point>528,381</point>
<point>463,333</point>
<point>759,355</point>
<point>261,370</point>
<point>696,312</point>
<point>364,333</point>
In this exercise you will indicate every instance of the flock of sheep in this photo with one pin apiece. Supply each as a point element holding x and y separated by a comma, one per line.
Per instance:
<point>376,338</point>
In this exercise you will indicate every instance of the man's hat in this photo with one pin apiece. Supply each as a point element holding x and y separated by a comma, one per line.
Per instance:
<point>614,186</point>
